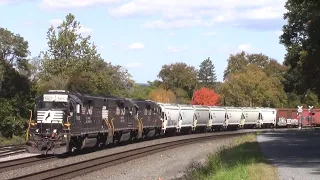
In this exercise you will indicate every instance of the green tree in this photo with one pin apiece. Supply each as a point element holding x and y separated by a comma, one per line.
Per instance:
<point>180,78</point>
<point>301,39</point>
<point>72,62</point>
<point>238,62</point>
<point>140,92</point>
<point>241,89</point>
<point>15,87</point>
<point>207,74</point>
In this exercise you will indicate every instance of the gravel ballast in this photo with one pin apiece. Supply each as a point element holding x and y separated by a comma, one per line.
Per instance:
<point>170,164</point>
<point>17,156</point>
<point>71,160</point>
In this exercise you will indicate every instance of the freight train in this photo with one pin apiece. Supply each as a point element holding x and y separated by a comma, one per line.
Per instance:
<point>65,122</point>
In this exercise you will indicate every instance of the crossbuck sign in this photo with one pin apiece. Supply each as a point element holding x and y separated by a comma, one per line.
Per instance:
<point>300,109</point>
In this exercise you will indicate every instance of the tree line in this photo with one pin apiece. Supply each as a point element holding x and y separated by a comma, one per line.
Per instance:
<point>72,62</point>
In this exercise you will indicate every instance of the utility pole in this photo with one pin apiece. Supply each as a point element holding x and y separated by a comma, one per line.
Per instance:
<point>300,116</point>
<point>311,113</point>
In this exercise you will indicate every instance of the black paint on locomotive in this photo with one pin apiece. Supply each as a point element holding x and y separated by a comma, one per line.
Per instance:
<point>98,121</point>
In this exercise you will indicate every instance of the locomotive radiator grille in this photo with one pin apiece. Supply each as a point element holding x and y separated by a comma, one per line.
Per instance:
<point>50,116</point>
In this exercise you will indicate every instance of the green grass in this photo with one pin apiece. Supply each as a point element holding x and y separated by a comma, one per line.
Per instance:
<point>242,160</point>
<point>15,140</point>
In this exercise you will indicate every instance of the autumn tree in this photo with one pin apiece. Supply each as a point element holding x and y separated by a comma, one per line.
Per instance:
<point>180,78</point>
<point>238,62</point>
<point>205,96</point>
<point>15,88</point>
<point>207,74</point>
<point>73,63</point>
<point>252,87</point>
<point>162,95</point>
<point>301,39</point>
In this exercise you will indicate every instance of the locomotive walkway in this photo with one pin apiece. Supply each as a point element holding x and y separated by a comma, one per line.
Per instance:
<point>296,154</point>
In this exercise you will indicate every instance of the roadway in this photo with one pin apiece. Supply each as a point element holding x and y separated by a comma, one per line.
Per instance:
<point>296,154</point>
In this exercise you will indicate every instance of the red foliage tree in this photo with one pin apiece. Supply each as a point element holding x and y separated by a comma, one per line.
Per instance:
<point>205,96</point>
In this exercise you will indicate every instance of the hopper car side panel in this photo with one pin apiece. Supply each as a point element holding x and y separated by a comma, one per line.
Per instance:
<point>252,116</point>
<point>233,116</point>
<point>187,116</point>
<point>218,116</point>
<point>170,116</point>
<point>268,117</point>
<point>202,117</point>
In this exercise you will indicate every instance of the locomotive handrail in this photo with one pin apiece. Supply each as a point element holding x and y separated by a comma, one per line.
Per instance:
<point>107,123</point>
<point>140,126</point>
<point>27,135</point>
<point>68,124</point>
<point>112,125</point>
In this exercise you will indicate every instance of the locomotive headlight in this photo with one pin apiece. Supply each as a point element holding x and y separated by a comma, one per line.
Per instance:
<point>37,130</point>
<point>55,131</point>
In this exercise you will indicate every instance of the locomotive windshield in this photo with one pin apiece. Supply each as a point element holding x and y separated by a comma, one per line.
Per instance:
<point>52,105</point>
<point>53,101</point>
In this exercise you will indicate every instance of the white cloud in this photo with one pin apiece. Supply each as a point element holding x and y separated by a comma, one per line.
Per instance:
<point>245,47</point>
<point>84,30</point>
<point>63,4</point>
<point>133,65</point>
<point>28,23</point>
<point>160,24</point>
<point>4,2</point>
<point>173,49</point>
<point>136,46</point>
<point>279,33</point>
<point>172,34</point>
<point>187,13</point>
<point>55,22</point>
<point>211,33</point>
<point>114,44</point>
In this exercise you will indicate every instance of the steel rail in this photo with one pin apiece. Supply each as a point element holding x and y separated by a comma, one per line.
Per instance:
<point>24,162</point>
<point>87,166</point>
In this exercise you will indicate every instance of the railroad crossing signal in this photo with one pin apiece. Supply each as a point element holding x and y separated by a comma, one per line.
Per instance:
<point>299,116</point>
<point>300,109</point>
<point>311,110</point>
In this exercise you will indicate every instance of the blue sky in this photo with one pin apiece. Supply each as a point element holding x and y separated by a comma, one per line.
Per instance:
<point>143,35</point>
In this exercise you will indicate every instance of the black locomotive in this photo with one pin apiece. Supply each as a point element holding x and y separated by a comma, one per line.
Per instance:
<point>68,121</point>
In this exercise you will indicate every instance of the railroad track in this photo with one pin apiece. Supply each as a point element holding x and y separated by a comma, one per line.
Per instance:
<point>24,162</point>
<point>84,167</point>
<point>12,147</point>
<point>11,150</point>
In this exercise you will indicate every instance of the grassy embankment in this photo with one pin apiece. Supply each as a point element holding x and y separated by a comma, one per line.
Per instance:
<point>241,160</point>
<point>15,140</point>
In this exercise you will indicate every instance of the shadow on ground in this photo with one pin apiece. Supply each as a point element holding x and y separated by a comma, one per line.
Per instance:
<point>293,149</point>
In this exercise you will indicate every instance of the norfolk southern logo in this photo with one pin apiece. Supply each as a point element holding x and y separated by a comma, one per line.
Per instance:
<point>47,116</point>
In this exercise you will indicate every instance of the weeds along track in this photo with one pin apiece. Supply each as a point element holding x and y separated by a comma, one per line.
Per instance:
<point>24,162</point>
<point>84,167</point>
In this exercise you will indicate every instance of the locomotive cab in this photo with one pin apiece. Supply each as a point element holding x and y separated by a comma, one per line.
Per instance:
<point>52,113</point>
